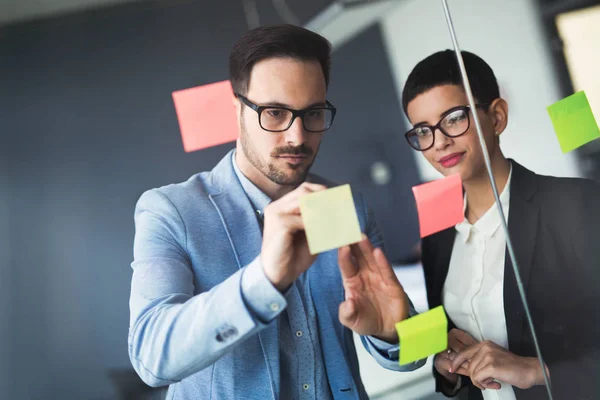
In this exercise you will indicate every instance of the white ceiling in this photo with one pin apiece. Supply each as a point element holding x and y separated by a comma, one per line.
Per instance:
<point>21,10</point>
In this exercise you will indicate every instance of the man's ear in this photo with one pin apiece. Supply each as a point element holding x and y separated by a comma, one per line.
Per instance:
<point>237,104</point>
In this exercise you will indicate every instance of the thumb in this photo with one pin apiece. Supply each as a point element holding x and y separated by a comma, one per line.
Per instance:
<point>347,313</point>
<point>490,383</point>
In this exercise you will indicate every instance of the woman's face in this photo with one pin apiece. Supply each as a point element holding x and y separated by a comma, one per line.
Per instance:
<point>463,154</point>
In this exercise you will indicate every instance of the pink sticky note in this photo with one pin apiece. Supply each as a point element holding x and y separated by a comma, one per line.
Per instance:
<point>206,115</point>
<point>440,204</point>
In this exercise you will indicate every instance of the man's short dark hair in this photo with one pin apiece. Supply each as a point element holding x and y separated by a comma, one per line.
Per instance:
<point>441,68</point>
<point>287,41</point>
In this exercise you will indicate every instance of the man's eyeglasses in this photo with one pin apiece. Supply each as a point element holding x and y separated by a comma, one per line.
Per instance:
<point>278,119</point>
<point>455,122</point>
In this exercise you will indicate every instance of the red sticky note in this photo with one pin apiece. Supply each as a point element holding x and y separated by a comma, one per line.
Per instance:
<point>440,204</point>
<point>206,115</point>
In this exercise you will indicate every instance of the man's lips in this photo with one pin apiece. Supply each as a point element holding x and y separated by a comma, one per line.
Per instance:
<point>293,158</point>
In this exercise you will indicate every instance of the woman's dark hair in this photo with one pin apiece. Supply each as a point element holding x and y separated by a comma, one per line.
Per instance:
<point>441,68</point>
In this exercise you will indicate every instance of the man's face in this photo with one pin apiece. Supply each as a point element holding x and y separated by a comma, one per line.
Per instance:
<point>283,157</point>
<point>453,155</point>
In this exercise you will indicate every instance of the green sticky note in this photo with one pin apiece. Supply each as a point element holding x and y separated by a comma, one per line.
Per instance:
<point>422,335</point>
<point>573,121</point>
<point>330,219</point>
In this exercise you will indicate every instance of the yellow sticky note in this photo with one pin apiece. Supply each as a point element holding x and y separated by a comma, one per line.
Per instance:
<point>573,121</point>
<point>330,219</point>
<point>422,335</point>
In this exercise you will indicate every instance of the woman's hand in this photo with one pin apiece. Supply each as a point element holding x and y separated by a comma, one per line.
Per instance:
<point>457,341</point>
<point>487,362</point>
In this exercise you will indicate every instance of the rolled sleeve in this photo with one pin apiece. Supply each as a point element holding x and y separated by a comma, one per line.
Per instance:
<point>387,355</point>
<point>384,348</point>
<point>263,299</point>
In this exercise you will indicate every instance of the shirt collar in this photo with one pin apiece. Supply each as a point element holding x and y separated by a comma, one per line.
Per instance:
<point>490,221</point>
<point>256,196</point>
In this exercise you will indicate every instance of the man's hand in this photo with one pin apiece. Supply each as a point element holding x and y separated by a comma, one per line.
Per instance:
<point>375,300</point>
<point>457,341</point>
<point>285,254</point>
<point>488,362</point>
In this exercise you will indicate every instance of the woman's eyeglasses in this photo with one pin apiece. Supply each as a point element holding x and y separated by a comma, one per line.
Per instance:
<point>455,122</point>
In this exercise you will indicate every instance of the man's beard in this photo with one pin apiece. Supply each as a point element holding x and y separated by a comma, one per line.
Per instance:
<point>270,170</point>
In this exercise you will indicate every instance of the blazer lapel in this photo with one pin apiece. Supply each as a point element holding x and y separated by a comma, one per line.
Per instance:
<point>443,253</point>
<point>243,229</point>
<point>522,226</point>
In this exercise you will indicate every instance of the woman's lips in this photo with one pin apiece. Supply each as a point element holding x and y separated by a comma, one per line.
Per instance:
<point>451,160</point>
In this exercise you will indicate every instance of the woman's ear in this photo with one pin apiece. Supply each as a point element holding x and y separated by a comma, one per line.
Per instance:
<point>498,111</point>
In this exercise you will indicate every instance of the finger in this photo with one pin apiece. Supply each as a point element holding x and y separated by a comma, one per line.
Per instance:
<point>465,354</point>
<point>385,268</point>
<point>290,223</point>
<point>484,377</point>
<point>490,383</point>
<point>347,265</point>
<point>453,342</point>
<point>442,363</point>
<point>482,365</point>
<point>290,203</point>
<point>463,370</point>
<point>451,355</point>
<point>364,258</point>
<point>313,187</point>
<point>347,313</point>
<point>463,337</point>
<point>476,364</point>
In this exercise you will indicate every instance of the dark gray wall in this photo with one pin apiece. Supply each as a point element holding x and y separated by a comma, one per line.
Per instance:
<point>88,125</point>
<point>369,128</point>
<point>5,279</point>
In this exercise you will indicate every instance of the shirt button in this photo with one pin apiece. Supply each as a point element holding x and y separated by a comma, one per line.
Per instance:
<point>306,386</point>
<point>299,333</point>
<point>274,307</point>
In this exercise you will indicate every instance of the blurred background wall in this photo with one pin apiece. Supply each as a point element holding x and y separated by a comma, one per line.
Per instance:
<point>87,124</point>
<point>507,34</point>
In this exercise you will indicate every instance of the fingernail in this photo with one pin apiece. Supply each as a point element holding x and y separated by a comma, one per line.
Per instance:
<point>450,370</point>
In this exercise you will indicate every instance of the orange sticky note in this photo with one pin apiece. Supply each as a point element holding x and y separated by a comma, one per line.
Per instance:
<point>206,115</point>
<point>440,204</point>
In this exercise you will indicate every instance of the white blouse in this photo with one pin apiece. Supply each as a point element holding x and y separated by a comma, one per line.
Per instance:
<point>473,292</point>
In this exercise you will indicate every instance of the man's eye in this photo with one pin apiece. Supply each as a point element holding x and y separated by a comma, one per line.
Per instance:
<point>275,113</point>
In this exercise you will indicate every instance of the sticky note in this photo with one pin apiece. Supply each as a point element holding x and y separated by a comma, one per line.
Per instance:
<point>439,204</point>
<point>422,335</point>
<point>206,115</point>
<point>573,121</point>
<point>330,219</point>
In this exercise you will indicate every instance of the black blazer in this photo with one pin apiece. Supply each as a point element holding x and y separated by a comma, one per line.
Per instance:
<point>554,224</point>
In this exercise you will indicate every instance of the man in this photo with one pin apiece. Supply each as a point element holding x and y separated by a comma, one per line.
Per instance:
<point>219,311</point>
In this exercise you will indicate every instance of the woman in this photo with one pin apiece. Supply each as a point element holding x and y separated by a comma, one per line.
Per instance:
<point>554,226</point>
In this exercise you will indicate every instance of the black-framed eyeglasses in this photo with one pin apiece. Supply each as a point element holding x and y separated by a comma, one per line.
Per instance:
<point>315,119</point>
<point>454,122</point>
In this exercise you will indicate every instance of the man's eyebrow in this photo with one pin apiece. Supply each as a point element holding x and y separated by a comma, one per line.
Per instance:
<point>279,104</point>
